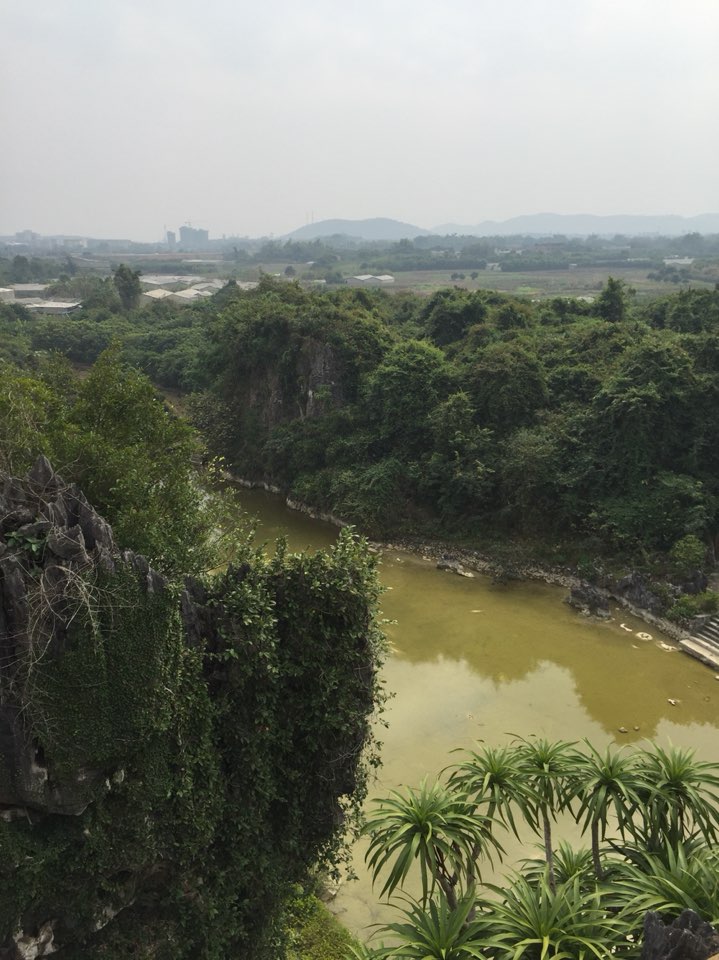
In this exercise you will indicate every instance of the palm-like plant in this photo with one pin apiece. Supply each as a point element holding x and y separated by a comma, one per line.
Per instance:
<point>676,878</point>
<point>546,767</point>
<point>681,797</point>
<point>568,864</point>
<point>606,784</point>
<point>437,932</point>
<point>534,920</point>
<point>436,826</point>
<point>494,776</point>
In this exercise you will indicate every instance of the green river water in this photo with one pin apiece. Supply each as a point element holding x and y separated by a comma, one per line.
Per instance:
<point>470,660</point>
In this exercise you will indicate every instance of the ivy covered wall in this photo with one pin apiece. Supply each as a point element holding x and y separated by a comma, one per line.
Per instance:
<point>174,755</point>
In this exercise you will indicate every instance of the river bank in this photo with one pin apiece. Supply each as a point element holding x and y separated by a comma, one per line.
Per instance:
<point>465,561</point>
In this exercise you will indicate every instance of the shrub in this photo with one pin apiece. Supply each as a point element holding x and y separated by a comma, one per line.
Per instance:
<point>687,607</point>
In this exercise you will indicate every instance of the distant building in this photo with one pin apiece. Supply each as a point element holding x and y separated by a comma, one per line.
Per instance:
<point>165,281</point>
<point>56,307</point>
<point>370,280</point>
<point>211,286</point>
<point>25,291</point>
<point>6,293</point>
<point>678,261</point>
<point>26,236</point>
<point>193,239</point>
<point>154,296</point>
<point>171,239</point>
<point>189,296</point>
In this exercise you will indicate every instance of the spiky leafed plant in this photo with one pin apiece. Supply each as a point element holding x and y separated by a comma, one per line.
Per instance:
<point>681,797</point>
<point>495,777</point>
<point>434,932</point>
<point>606,784</point>
<point>568,864</point>
<point>546,767</point>
<point>437,827</point>
<point>532,920</point>
<point>675,878</point>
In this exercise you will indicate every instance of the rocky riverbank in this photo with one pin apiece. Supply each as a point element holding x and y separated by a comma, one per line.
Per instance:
<point>632,592</point>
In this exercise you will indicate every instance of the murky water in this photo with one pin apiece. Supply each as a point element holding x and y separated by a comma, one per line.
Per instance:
<point>475,661</point>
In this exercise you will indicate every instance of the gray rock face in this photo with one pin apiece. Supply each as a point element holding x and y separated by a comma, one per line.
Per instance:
<point>696,583</point>
<point>590,600</point>
<point>686,938</point>
<point>49,537</point>
<point>634,588</point>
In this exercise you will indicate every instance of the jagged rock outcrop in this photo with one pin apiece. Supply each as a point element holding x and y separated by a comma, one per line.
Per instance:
<point>49,537</point>
<point>686,938</point>
<point>635,590</point>
<point>589,600</point>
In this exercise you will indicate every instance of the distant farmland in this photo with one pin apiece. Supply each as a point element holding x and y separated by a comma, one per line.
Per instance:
<point>579,282</point>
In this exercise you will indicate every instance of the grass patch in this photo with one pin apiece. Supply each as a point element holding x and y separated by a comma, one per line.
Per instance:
<point>314,933</point>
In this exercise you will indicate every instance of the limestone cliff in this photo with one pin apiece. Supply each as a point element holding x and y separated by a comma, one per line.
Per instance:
<point>171,755</point>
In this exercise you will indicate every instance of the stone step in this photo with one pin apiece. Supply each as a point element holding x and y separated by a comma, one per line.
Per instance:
<point>709,631</point>
<point>705,642</point>
<point>708,653</point>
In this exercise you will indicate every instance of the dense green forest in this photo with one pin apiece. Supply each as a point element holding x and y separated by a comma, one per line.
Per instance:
<point>585,428</point>
<point>478,413</point>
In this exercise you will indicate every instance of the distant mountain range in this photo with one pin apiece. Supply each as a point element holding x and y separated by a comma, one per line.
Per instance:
<point>584,224</point>
<point>538,224</point>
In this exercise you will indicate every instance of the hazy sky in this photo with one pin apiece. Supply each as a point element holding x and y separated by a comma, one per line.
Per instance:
<point>119,119</point>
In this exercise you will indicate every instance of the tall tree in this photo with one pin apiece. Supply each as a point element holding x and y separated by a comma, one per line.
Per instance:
<point>611,303</point>
<point>128,286</point>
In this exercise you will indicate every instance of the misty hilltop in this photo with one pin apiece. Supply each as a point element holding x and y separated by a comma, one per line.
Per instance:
<point>376,228</point>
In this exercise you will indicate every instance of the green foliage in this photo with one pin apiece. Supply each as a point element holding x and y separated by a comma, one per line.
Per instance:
<point>127,284</point>
<point>508,385</point>
<point>534,920</point>
<point>314,933</point>
<point>112,434</point>
<point>673,879</point>
<point>437,827</point>
<point>688,554</point>
<point>219,773</point>
<point>448,315</point>
<point>94,708</point>
<point>611,303</point>
<point>694,605</point>
<point>653,817</point>
<point>401,393</point>
<point>607,785</point>
<point>439,932</point>
<point>559,420</point>
<point>682,799</point>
